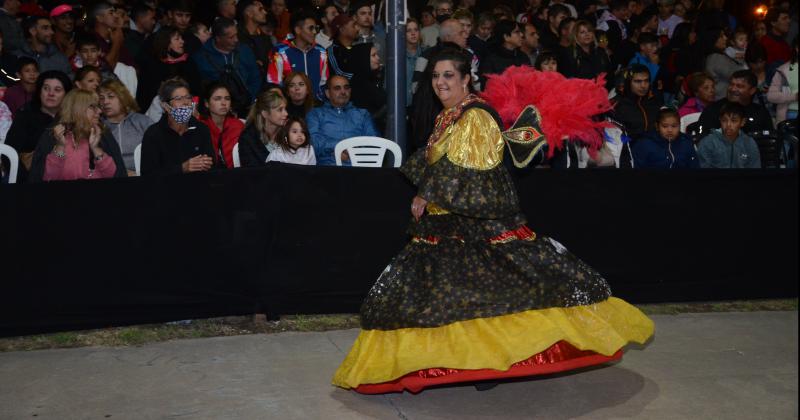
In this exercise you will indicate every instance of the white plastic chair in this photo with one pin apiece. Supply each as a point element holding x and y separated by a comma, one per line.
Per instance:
<point>137,159</point>
<point>367,151</point>
<point>11,154</point>
<point>689,119</point>
<point>236,162</point>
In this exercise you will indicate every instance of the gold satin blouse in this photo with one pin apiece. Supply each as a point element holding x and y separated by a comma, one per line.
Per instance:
<point>473,142</point>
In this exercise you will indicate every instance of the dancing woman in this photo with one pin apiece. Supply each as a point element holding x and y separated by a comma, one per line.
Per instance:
<point>476,295</point>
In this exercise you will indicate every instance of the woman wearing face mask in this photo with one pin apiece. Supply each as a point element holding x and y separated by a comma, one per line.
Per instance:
<point>167,59</point>
<point>367,83</point>
<point>121,116</point>
<point>266,117</point>
<point>178,143</point>
<point>32,119</point>
<point>225,128</point>
<point>78,146</point>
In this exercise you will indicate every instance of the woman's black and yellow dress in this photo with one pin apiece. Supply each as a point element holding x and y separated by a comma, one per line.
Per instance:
<point>476,295</point>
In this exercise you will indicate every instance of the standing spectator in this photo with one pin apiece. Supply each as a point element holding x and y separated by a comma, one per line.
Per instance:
<point>679,55</point>
<point>778,50</point>
<point>714,16</point>
<point>759,30</point>
<point>223,58</point>
<point>337,120</point>
<point>667,21</point>
<point>8,67</point>
<point>644,23</point>
<point>756,60</point>
<point>259,138</point>
<point>741,90</point>
<point>530,42</point>
<point>365,21</point>
<point>637,109</point>
<point>533,12</point>
<point>32,119</point>
<point>414,50</point>
<point>667,147</point>
<point>294,140</point>
<point>586,60</point>
<point>179,15</point>
<point>300,97</point>
<point>326,15</point>
<point>430,27</point>
<point>648,55</point>
<point>89,54</point>
<point>613,22</point>
<point>121,116</point>
<point>712,43</point>
<point>63,19</point>
<point>109,34</point>
<point>10,27</point>
<point>506,49</point>
<point>729,146</point>
<point>226,8</point>
<point>23,92</point>
<point>143,23</point>
<point>784,87</point>
<point>165,60</point>
<point>40,47</point>
<point>88,78</point>
<point>277,9</point>
<point>251,16</point>
<point>550,36</point>
<point>300,54</point>
<point>701,91</point>
<point>478,42</point>
<point>178,143</point>
<point>343,5</point>
<point>367,83</point>
<point>78,146</point>
<point>216,113</point>
<point>343,29</point>
<point>565,42</point>
<point>572,12</point>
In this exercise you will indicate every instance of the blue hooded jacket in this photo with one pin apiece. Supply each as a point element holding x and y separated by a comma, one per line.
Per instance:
<point>654,152</point>
<point>329,125</point>
<point>247,68</point>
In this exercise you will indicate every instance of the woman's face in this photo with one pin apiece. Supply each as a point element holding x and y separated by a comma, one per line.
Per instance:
<point>705,93</point>
<point>412,33</point>
<point>296,136</point>
<point>93,113</point>
<point>110,103</point>
<point>297,90</point>
<point>89,82</point>
<point>585,36</point>
<point>176,44</point>
<point>759,29</point>
<point>374,59</point>
<point>219,104</point>
<point>276,116</point>
<point>449,84</point>
<point>52,94</point>
<point>722,41</point>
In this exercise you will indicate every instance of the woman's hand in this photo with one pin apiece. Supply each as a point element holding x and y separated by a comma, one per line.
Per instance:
<point>94,142</point>
<point>418,207</point>
<point>197,164</point>
<point>58,132</point>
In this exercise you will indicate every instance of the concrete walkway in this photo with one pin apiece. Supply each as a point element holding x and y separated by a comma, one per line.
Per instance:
<point>699,366</point>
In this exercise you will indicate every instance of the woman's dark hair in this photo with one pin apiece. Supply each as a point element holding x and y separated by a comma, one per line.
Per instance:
<point>161,40</point>
<point>667,112</point>
<point>84,71</point>
<point>169,86</point>
<point>282,137</point>
<point>49,74</point>
<point>680,36</point>
<point>695,80</point>
<point>502,29</point>
<point>208,93</point>
<point>706,41</point>
<point>544,57</point>
<point>459,57</point>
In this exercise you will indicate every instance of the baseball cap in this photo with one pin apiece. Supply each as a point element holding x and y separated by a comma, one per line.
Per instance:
<point>60,10</point>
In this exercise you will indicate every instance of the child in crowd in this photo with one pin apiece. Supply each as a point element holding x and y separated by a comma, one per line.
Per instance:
<point>295,144</point>
<point>666,148</point>
<point>737,45</point>
<point>546,61</point>
<point>18,95</point>
<point>729,147</point>
<point>648,56</point>
<point>200,31</point>
<point>88,53</point>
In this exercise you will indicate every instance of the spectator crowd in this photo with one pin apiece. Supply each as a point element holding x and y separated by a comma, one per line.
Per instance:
<point>115,88</point>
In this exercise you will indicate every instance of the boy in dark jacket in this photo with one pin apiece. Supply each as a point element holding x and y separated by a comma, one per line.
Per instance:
<point>667,147</point>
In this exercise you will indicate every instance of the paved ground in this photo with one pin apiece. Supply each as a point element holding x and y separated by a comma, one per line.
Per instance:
<point>699,366</point>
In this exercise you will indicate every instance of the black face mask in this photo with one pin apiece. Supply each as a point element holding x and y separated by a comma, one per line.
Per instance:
<point>442,18</point>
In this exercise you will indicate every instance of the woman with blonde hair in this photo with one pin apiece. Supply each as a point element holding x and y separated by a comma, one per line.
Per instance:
<point>299,97</point>
<point>121,116</point>
<point>267,115</point>
<point>78,146</point>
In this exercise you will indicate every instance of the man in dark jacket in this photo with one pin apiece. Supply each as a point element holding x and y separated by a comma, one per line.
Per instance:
<point>741,89</point>
<point>251,15</point>
<point>506,53</point>
<point>9,26</point>
<point>637,108</point>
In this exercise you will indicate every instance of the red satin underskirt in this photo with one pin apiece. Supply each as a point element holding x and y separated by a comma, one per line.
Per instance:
<point>559,357</point>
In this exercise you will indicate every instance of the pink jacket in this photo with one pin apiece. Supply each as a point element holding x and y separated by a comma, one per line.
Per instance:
<point>75,164</point>
<point>778,94</point>
<point>690,107</point>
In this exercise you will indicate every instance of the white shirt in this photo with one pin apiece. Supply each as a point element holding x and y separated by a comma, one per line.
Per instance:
<point>430,35</point>
<point>668,26</point>
<point>301,156</point>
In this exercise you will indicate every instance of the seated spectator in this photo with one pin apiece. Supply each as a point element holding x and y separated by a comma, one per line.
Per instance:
<point>178,143</point>
<point>143,23</point>
<point>613,22</point>
<point>784,87</point>
<point>251,15</point>
<point>297,90</point>
<point>33,118</point>
<point>9,25</point>
<point>300,54</point>
<point>648,55</point>
<point>430,27</point>
<point>367,83</point>
<point>23,92</point>
<point>121,116</point>
<point>225,128</point>
<point>167,59</point>
<point>550,36</point>
<point>345,33</point>
<point>337,120</point>
<point>667,147</point>
<point>701,91</point>
<point>179,15</point>
<point>282,18</point>
<point>505,51</point>
<point>478,41</point>
<point>8,66</point>
<point>729,146</point>
<point>637,108</point>
<point>6,119</point>
<point>451,35</point>
<point>586,60</point>
<point>78,146</point>
<point>647,22</point>
<point>259,138</point>
<point>200,31</point>
<point>778,50</point>
<point>530,42</point>
<point>224,59</point>
<point>565,42</point>
<point>88,78</point>
<point>107,30</point>
<point>295,144</point>
<point>712,44</point>
<point>88,54</point>
<point>325,15</point>
<point>40,47</point>
<point>227,8</point>
<point>546,61</point>
<point>741,90</point>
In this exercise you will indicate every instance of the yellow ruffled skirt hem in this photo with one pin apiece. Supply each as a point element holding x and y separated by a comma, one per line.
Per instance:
<point>379,356</point>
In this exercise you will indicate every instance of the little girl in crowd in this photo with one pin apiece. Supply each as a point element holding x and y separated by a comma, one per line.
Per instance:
<point>738,45</point>
<point>295,144</point>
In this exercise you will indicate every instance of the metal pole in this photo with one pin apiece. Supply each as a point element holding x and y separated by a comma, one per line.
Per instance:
<point>396,75</point>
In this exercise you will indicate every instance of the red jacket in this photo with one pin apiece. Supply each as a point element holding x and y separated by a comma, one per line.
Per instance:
<point>231,130</point>
<point>777,49</point>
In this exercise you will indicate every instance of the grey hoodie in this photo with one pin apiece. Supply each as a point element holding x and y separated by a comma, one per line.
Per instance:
<point>51,59</point>
<point>128,135</point>
<point>715,151</point>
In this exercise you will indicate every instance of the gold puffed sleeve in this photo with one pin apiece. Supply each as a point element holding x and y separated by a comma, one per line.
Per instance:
<point>473,142</point>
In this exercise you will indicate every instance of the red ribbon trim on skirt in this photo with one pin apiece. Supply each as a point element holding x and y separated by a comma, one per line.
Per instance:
<point>523,233</point>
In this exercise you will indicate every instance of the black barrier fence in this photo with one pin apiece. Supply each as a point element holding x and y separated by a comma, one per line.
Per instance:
<point>289,240</point>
